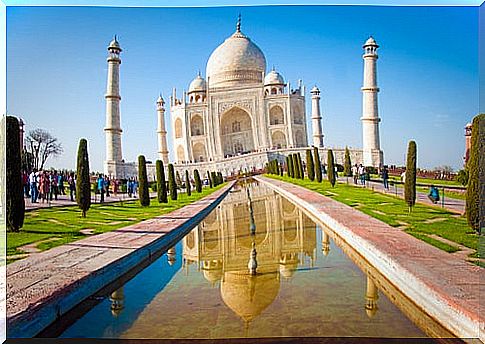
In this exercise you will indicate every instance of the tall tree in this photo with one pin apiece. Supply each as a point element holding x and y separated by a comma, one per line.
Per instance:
<point>188,187</point>
<point>214,178</point>
<point>172,185</point>
<point>83,186</point>
<point>143,180</point>
<point>475,192</point>
<point>318,165</point>
<point>42,145</point>
<point>310,167</point>
<point>14,188</point>
<point>161,182</point>
<point>410,176</point>
<point>209,177</point>
<point>198,182</point>
<point>296,168</point>
<point>347,163</point>
<point>331,167</point>
<point>289,166</point>
<point>300,166</point>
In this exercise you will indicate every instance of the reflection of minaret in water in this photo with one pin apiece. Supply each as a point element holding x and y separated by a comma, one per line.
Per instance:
<point>325,243</point>
<point>252,224</point>
<point>253,263</point>
<point>371,297</point>
<point>171,256</point>
<point>117,299</point>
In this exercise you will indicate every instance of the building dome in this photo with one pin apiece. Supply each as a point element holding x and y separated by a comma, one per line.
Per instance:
<point>370,41</point>
<point>237,60</point>
<point>198,84</point>
<point>114,44</point>
<point>273,78</point>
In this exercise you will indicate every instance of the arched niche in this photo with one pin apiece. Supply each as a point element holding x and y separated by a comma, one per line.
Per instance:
<point>236,132</point>
<point>199,152</point>
<point>178,128</point>
<point>276,115</point>
<point>278,138</point>
<point>180,154</point>
<point>196,126</point>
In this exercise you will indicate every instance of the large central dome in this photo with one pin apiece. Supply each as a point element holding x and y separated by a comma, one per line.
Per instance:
<point>236,61</point>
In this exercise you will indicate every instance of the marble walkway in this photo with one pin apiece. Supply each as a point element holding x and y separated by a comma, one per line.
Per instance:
<point>443,285</point>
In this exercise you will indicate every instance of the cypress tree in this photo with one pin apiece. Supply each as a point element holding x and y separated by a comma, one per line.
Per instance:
<point>289,166</point>
<point>172,185</point>
<point>14,188</point>
<point>475,167</point>
<point>143,180</point>
<point>188,186</point>
<point>161,183</point>
<point>331,168</point>
<point>198,182</point>
<point>178,180</point>
<point>347,164</point>
<point>296,168</point>
<point>83,186</point>
<point>310,167</point>
<point>214,178</point>
<point>410,182</point>
<point>210,179</point>
<point>220,178</point>
<point>300,165</point>
<point>317,164</point>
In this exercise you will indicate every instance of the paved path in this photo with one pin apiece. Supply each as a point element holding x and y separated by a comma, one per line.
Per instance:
<point>47,285</point>
<point>451,204</point>
<point>65,200</point>
<point>440,283</point>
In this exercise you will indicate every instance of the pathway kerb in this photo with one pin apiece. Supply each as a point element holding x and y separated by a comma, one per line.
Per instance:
<point>448,314</point>
<point>90,275</point>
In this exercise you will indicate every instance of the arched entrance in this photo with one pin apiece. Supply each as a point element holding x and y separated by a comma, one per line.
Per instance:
<point>236,132</point>
<point>198,150</point>
<point>278,138</point>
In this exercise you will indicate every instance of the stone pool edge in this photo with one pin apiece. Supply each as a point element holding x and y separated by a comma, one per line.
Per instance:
<point>36,317</point>
<point>435,303</point>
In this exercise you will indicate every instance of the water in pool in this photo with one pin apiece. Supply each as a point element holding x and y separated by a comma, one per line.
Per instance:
<point>256,266</point>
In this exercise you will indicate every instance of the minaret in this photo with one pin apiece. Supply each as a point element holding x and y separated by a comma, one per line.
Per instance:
<point>371,297</point>
<point>370,115</point>
<point>316,118</point>
<point>113,163</point>
<point>162,133</point>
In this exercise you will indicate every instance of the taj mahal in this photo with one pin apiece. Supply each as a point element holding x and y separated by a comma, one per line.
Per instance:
<point>239,116</point>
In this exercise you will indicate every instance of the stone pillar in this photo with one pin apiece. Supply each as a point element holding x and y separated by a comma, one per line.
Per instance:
<point>316,118</point>
<point>162,132</point>
<point>370,115</point>
<point>113,163</point>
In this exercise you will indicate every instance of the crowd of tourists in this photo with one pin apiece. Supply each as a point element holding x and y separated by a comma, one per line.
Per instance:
<point>42,186</point>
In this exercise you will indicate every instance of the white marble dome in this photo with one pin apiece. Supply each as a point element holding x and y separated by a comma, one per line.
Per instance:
<point>370,41</point>
<point>198,84</point>
<point>237,60</point>
<point>273,78</point>
<point>114,44</point>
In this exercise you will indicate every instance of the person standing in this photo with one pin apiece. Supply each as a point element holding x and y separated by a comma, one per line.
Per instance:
<point>44,186</point>
<point>362,174</point>
<point>60,184</point>
<point>33,186</point>
<point>25,183</point>
<point>355,173</point>
<point>107,184</point>
<point>385,177</point>
<point>100,182</point>
<point>53,189</point>
<point>71,181</point>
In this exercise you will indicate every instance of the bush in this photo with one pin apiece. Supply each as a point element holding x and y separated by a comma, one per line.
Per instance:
<point>347,164</point>
<point>214,178</point>
<point>198,182</point>
<point>296,168</point>
<point>462,177</point>
<point>475,168</point>
<point>318,165</point>
<point>209,177</point>
<point>220,178</point>
<point>300,166</point>
<point>310,167</point>
<point>14,188</point>
<point>410,179</point>
<point>143,182</point>
<point>188,187</point>
<point>172,185</point>
<point>83,186</point>
<point>161,183</point>
<point>289,166</point>
<point>331,168</point>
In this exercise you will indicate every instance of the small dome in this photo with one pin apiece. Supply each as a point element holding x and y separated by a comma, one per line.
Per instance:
<point>160,100</point>
<point>198,84</point>
<point>315,90</point>
<point>370,41</point>
<point>114,44</point>
<point>273,78</point>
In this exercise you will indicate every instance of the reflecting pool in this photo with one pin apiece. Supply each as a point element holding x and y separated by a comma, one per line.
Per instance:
<point>257,266</point>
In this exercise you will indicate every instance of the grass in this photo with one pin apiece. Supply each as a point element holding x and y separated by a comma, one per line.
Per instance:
<point>394,211</point>
<point>51,227</point>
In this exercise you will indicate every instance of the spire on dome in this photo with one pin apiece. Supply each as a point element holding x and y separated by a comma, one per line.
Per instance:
<point>238,25</point>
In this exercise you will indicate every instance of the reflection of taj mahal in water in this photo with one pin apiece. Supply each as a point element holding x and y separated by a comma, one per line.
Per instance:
<point>239,117</point>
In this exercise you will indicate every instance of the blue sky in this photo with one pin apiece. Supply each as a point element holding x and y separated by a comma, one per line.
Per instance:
<point>428,69</point>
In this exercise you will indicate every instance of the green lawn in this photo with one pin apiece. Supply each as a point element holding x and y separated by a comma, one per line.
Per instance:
<point>61,225</point>
<point>421,222</point>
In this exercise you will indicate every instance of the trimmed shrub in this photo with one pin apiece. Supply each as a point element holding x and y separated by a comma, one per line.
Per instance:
<point>172,185</point>
<point>289,166</point>
<point>214,178</point>
<point>211,185</point>
<point>347,163</point>
<point>410,182</point>
<point>161,183</point>
<point>300,166</point>
<point>296,168</point>
<point>475,167</point>
<point>143,182</point>
<point>317,165</point>
<point>198,182</point>
<point>331,168</point>
<point>220,178</point>
<point>14,188</point>
<point>188,187</point>
<point>83,185</point>
<point>310,167</point>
